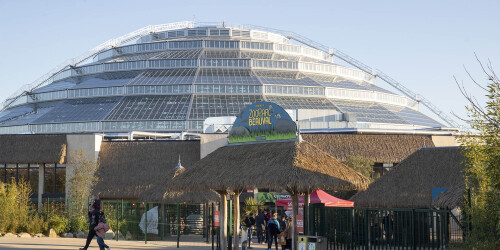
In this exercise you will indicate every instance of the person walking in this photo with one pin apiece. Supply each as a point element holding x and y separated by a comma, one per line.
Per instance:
<point>288,232</point>
<point>249,224</point>
<point>260,223</point>
<point>101,230</point>
<point>267,217</point>
<point>93,221</point>
<point>274,229</point>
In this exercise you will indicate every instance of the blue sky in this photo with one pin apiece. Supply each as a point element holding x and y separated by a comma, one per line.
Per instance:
<point>422,44</point>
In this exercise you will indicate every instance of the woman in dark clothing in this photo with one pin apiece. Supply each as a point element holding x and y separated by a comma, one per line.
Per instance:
<point>93,220</point>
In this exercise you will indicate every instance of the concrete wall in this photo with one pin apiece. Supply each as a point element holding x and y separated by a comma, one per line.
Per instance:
<point>210,142</point>
<point>89,143</point>
<point>444,141</point>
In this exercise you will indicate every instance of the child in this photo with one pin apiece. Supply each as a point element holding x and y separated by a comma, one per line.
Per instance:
<point>101,230</point>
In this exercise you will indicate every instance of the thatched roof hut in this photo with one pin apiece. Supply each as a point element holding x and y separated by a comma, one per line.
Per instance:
<point>410,183</point>
<point>134,168</point>
<point>379,148</point>
<point>32,149</point>
<point>451,198</point>
<point>188,197</point>
<point>298,166</point>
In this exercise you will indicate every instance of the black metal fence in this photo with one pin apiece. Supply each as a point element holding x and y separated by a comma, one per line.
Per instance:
<point>385,228</point>
<point>181,224</point>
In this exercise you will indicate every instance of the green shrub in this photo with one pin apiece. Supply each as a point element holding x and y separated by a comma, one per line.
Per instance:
<point>122,223</point>
<point>58,223</point>
<point>78,223</point>
<point>14,206</point>
<point>36,224</point>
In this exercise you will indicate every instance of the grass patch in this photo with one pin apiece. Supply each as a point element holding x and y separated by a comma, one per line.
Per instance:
<point>269,136</point>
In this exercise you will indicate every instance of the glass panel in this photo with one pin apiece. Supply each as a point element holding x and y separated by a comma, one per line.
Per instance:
<point>178,54</point>
<point>35,112</point>
<point>220,105</point>
<point>11,173</point>
<point>301,102</point>
<point>164,77</point>
<point>49,177</point>
<point>2,173</point>
<point>60,179</point>
<point>226,76</point>
<point>367,112</point>
<point>412,116</point>
<point>34,177</point>
<point>89,109</point>
<point>22,173</point>
<point>209,54</point>
<point>285,78</point>
<point>173,107</point>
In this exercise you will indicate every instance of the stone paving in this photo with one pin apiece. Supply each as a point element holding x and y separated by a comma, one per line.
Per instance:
<point>7,243</point>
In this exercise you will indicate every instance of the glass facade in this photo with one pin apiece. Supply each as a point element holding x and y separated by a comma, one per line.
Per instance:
<point>174,80</point>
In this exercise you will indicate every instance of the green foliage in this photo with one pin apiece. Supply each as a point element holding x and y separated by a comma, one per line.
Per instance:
<point>270,136</point>
<point>78,223</point>
<point>36,224</point>
<point>360,164</point>
<point>130,224</point>
<point>14,206</point>
<point>251,206</point>
<point>481,150</point>
<point>58,222</point>
<point>122,223</point>
<point>82,182</point>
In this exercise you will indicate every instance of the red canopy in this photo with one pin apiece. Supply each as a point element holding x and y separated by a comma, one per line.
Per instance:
<point>318,196</point>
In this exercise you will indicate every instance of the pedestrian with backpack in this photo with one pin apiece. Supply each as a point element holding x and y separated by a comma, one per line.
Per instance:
<point>249,224</point>
<point>274,229</point>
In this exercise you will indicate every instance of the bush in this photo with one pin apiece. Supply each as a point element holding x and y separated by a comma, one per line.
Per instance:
<point>78,223</point>
<point>36,224</point>
<point>58,223</point>
<point>14,206</point>
<point>122,223</point>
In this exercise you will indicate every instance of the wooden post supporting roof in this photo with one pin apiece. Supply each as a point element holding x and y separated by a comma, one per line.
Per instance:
<point>236,228</point>
<point>223,219</point>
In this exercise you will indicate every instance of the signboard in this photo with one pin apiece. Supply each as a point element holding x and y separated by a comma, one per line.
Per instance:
<point>216,218</point>
<point>271,197</point>
<point>262,121</point>
<point>300,223</point>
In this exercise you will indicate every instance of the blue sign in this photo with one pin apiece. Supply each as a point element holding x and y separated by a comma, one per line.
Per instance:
<point>263,121</point>
<point>437,191</point>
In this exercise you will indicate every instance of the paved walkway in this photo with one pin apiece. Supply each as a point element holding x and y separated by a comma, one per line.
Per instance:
<point>72,244</point>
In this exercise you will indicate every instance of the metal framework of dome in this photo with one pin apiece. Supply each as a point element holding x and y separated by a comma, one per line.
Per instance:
<point>171,77</point>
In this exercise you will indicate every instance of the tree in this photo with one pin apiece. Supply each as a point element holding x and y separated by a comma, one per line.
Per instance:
<point>82,182</point>
<point>360,164</point>
<point>481,149</point>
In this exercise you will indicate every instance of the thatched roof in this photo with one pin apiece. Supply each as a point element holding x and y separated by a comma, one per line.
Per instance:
<point>295,166</point>
<point>410,183</point>
<point>133,168</point>
<point>32,149</point>
<point>379,148</point>
<point>451,198</point>
<point>190,197</point>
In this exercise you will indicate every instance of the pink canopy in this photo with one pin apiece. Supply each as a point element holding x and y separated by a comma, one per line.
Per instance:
<point>318,196</point>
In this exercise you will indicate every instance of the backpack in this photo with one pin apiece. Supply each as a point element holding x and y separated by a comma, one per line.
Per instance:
<point>273,227</point>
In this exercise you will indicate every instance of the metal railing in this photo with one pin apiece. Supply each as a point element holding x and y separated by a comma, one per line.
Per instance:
<point>385,228</point>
